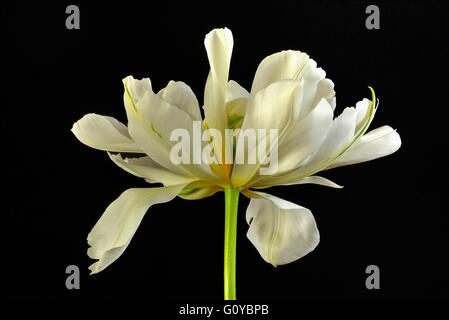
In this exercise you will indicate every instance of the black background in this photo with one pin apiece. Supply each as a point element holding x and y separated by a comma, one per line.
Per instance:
<point>391,213</point>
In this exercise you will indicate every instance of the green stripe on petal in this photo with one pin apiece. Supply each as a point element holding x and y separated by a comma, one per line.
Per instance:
<point>155,131</point>
<point>188,191</point>
<point>196,193</point>
<point>234,120</point>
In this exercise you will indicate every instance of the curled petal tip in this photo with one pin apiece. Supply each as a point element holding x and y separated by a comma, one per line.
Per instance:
<point>373,95</point>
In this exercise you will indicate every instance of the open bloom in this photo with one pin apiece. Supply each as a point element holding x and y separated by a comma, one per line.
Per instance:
<point>289,93</point>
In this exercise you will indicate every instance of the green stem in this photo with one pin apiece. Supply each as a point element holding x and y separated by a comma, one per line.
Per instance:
<point>231,207</point>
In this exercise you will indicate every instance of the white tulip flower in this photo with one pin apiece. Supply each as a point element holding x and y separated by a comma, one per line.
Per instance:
<point>289,93</point>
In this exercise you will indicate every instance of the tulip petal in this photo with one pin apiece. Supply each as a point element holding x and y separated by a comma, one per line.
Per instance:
<point>284,65</point>
<point>325,89</point>
<point>305,136</point>
<point>104,133</point>
<point>345,131</point>
<point>150,170</point>
<point>219,44</point>
<point>235,111</point>
<point>280,230</point>
<point>270,108</point>
<point>317,180</point>
<point>281,181</point>
<point>355,120</point>
<point>112,234</point>
<point>314,79</point>
<point>340,135</point>
<point>296,65</point>
<point>137,89</point>
<point>236,100</point>
<point>151,121</point>
<point>377,143</point>
<point>181,95</point>
<point>301,141</point>
<point>141,124</point>
<point>235,91</point>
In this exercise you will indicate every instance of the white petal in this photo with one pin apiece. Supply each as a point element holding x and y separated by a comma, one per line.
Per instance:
<point>270,108</point>
<point>284,65</point>
<point>305,137</point>
<point>104,133</point>
<point>325,89</point>
<point>219,44</point>
<point>282,181</point>
<point>317,180</point>
<point>235,91</point>
<point>296,65</point>
<point>137,89</point>
<point>181,95</point>
<point>340,136</point>
<point>112,234</point>
<point>150,170</point>
<point>151,120</point>
<point>142,127</point>
<point>345,131</point>
<point>235,111</point>
<point>280,230</point>
<point>377,143</point>
<point>312,77</point>
<point>362,109</point>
